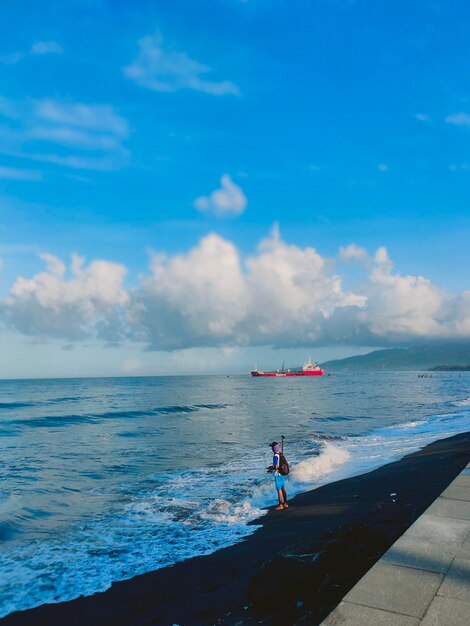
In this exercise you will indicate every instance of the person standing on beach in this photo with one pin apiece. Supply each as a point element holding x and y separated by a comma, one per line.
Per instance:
<point>278,477</point>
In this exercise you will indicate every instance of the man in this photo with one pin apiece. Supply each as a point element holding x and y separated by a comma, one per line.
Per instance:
<point>278,478</point>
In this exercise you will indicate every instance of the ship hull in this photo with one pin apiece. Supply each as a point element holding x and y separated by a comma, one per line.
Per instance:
<point>286,374</point>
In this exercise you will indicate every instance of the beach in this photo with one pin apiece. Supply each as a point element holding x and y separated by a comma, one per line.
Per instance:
<point>293,570</point>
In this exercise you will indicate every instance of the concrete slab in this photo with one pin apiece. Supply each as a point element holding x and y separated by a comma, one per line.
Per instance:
<point>456,583</point>
<point>465,548</point>
<point>348,614</point>
<point>397,589</point>
<point>436,529</point>
<point>466,472</point>
<point>447,612</point>
<point>420,556</point>
<point>450,508</point>
<point>430,544</point>
<point>462,480</point>
<point>455,492</point>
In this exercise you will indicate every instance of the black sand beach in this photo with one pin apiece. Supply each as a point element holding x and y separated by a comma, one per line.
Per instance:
<point>292,570</point>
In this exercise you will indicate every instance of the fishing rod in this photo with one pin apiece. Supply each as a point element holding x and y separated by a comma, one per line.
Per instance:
<point>282,443</point>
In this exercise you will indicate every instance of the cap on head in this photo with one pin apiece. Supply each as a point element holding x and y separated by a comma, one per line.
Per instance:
<point>274,443</point>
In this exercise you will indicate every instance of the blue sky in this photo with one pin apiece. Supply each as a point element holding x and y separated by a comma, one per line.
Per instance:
<point>194,154</point>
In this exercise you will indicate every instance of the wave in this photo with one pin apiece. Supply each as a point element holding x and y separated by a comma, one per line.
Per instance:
<point>15,405</point>
<point>188,514</point>
<point>65,399</point>
<point>196,512</point>
<point>25,405</point>
<point>71,419</point>
<point>325,437</point>
<point>329,459</point>
<point>464,402</point>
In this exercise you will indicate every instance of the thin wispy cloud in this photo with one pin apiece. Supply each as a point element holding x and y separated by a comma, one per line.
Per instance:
<point>38,48</point>
<point>458,119</point>
<point>422,117</point>
<point>46,47</point>
<point>11,58</point>
<point>97,117</point>
<point>161,69</point>
<point>228,200</point>
<point>38,127</point>
<point>14,173</point>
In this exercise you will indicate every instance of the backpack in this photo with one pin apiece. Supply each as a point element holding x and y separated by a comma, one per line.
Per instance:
<point>283,465</point>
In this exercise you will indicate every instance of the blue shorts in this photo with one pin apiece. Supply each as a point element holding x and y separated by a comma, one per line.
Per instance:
<point>279,480</point>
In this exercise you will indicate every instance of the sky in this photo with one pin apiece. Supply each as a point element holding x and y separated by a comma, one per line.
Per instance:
<point>196,187</point>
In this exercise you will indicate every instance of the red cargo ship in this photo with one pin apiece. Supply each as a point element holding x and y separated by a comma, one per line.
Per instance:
<point>308,369</point>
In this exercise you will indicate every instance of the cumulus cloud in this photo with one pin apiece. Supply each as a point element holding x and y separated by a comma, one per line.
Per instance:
<point>51,304</point>
<point>89,136</point>
<point>212,296</point>
<point>161,69</point>
<point>458,119</point>
<point>195,299</point>
<point>353,253</point>
<point>228,200</point>
<point>400,307</point>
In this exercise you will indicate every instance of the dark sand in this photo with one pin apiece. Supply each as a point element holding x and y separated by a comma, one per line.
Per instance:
<point>293,570</point>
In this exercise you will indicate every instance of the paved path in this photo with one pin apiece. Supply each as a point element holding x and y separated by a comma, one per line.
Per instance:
<point>424,578</point>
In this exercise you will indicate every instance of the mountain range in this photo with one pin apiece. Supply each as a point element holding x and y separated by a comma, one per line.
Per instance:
<point>416,358</point>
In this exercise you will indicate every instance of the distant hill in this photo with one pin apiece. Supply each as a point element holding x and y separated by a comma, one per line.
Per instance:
<point>417,358</point>
<point>450,368</point>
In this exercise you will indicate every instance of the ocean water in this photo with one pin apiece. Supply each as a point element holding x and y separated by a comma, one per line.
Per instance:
<point>107,478</point>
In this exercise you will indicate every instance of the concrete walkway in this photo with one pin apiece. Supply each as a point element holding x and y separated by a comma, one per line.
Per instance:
<point>424,578</point>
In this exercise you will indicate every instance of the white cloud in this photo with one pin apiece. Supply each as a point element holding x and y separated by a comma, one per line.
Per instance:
<point>353,253</point>
<point>54,265</point>
<point>404,306</point>
<point>46,47</point>
<point>14,173</point>
<point>73,126</point>
<point>161,69</point>
<point>211,296</point>
<point>193,299</point>
<point>84,304</point>
<point>228,200</point>
<point>422,117</point>
<point>459,119</point>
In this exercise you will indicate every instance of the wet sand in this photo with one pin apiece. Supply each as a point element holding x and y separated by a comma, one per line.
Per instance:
<point>293,570</point>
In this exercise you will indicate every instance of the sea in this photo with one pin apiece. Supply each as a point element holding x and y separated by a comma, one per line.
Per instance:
<point>106,478</point>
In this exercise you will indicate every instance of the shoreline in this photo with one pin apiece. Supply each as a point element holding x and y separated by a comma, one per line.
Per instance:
<point>294,569</point>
